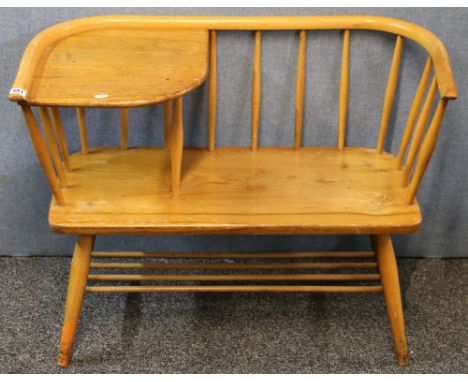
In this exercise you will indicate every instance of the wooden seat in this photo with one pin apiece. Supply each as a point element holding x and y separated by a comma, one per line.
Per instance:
<point>235,190</point>
<point>128,61</point>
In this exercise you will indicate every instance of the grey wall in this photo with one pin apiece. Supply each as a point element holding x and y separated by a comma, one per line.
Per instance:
<point>24,194</point>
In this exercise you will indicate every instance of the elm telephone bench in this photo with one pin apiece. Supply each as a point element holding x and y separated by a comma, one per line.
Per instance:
<point>134,61</point>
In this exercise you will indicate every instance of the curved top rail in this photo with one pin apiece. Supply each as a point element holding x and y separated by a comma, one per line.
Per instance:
<point>49,36</point>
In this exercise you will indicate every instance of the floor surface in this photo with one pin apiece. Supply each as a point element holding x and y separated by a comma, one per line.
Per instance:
<point>233,333</point>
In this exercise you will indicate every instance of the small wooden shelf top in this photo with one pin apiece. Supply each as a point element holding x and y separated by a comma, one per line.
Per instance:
<point>119,67</point>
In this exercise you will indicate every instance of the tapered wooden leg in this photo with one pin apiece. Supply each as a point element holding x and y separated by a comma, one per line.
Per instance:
<point>391,286</point>
<point>76,289</point>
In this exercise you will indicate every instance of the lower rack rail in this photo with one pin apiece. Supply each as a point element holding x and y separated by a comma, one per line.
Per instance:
<point>364,281</point>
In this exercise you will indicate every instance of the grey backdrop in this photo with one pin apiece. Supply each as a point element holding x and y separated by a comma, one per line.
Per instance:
<point>24,194</point>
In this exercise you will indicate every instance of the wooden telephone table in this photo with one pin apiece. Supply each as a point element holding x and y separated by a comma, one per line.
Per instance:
<point>129,61</point>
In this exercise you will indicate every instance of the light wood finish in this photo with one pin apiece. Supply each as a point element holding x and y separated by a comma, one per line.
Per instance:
<point>167,123</point>
<point>236,190</point>
<point>365,281</point>
<point>132,28</point>
<point>42,153</point>
<point>124,129</point>
<point>129,61</point>
<point>52,144</point>
<point>238,288</point>
<point>390,94</point>
<point>81,117</point>
<point>256,89</point>
<point>107,265</point>
<point>391,287</point>
<point>427,148</point>
<point>236,277</point>
<point>113,67</point>
<point>300,89</point>
<point>62,140</point>
<point>263,255</point>
<point>344,89</point>
<point>418,132</point>
<point>212,92</point>
<point>76,288</point>
<point>414,111</point>
<point>177,144</point>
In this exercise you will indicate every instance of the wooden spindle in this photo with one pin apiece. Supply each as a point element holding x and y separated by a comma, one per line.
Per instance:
<point>62,141</point>
<point>419,131</point>
<point>52,144</point>
<point>236,277</point>
<point>390,94</point>
<point>124,129</point>
<point>236,288</point>
<point>126,265</point>
<point>81,115</point>
<point>300,86</point>
<point>177,144</point>
<point>256,89</point>
<point>344,90</point>
<point>427,149</point>
<point>414,111</point>
<point>212,92</point>
<point>167,124</point>
<point>42,153</point>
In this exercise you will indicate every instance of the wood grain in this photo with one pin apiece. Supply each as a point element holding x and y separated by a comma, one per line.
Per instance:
<point>236,190</point>
<point>120,68</point>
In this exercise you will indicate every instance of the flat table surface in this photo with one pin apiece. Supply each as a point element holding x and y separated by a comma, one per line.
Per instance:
<point>115,67</point>
<point>235,190</point>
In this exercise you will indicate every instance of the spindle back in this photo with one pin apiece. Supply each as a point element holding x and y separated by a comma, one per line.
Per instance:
<point>197,37</point>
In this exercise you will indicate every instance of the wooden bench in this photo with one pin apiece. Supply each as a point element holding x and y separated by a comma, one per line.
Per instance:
<point>129,61</point>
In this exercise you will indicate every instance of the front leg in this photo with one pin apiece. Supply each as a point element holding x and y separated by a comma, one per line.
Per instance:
<point>79,270</point>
